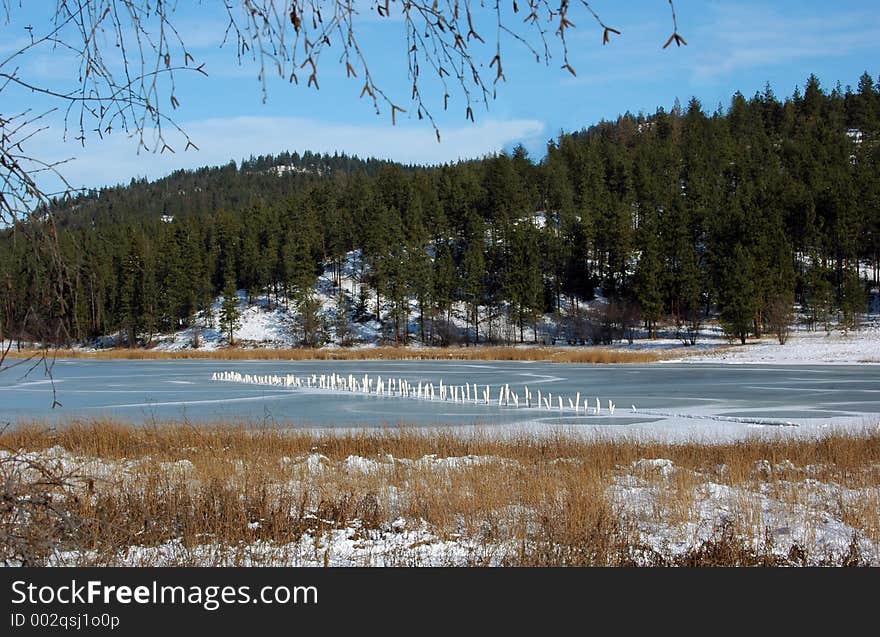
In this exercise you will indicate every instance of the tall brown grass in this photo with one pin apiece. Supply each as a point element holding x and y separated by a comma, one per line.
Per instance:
<point>600,355</point>
<point>520,500</point>
<point>833,456</point>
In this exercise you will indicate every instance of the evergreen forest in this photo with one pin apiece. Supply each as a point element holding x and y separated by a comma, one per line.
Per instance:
<point>756,214</point>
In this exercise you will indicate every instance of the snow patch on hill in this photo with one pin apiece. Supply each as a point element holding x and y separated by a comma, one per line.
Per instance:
<point>267,321</point>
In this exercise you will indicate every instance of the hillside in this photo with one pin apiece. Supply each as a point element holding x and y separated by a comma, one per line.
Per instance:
<point>205,190</point>
<point>743,221</point>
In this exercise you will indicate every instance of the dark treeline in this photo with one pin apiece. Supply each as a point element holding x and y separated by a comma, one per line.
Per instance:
<point>673,217</point>
<point>186,193</point>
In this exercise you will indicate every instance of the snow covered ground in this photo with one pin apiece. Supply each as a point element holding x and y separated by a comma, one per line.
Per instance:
<point>266,322</point>
<point>778,509</point>
<point>859,346</point>
<point>265,327</point>
<point>262,327</point>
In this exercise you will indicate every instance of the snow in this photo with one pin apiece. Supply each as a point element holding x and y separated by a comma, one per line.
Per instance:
<point>810,521</point>
<point>351,546</point>
<point>356,464</point>
<point>780,503</point>
<point>316,463</point>
<point>663,466</point>
<point>858,346</point>
<point>260,324</point>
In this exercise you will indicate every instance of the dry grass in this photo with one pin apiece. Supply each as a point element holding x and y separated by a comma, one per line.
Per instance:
<point>601,355</point>
<point>524,500</point>
<point>833,457</point>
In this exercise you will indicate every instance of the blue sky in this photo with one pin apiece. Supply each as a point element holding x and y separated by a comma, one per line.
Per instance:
<point>732,45</point>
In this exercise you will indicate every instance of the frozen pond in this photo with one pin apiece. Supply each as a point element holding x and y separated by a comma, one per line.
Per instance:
<point>697,399</point>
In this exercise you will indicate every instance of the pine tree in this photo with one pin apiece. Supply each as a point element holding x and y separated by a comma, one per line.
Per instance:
<point>417,267</point>
<point>819,293</point>
<point>392,266</point>
<point>309,323</point>
<point>131,291</point>
<point>299,248</point>
<point>230,314</point>
<point>473,273</point>
<point>341,324</point>
<point>150,300</point>
<point>691,291</point>
<point>738,294</point>
<point>853,299</point>
<point>648,280</point>
<point>444,288</point>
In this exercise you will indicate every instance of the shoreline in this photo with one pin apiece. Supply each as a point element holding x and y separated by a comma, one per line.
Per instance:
<point>570,354</point>
<point>803,348</point>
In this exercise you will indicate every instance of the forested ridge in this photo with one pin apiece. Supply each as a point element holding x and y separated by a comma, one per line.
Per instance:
<point>740,213</point>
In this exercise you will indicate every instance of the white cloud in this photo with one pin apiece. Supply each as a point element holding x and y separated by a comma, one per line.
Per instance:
<point>757,36</point>
<point>114,160</point>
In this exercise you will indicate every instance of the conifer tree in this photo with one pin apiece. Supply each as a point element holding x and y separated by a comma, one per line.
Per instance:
<point>445,286</point>
<point>649,275</point>
<point>341,324</point>
<point>853,299</point>
<point>131,292</point>
<point>309,323</point>
<point>230,314</point>
<point>738,294</point>
<point>473,273</point>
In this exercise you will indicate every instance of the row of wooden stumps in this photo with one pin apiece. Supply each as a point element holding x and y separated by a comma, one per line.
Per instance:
<point>402,388</point>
